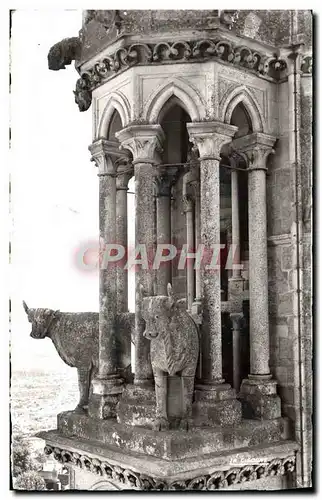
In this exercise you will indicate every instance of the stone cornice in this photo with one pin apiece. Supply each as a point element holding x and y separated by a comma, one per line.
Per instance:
<point>220,479</point>
<point>219,48</point>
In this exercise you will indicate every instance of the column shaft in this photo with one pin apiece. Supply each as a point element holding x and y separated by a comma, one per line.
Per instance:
<point>258,282</point>
<point>235,221</point>
<point>163,237</point>
<point>190,249</point>
<point>107,281</point>
<point>144,235</point>
<point>210,237</point>
<point>121,239</point>
<point>197,241</point>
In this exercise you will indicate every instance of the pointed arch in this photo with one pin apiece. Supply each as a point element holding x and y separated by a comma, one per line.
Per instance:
<point>118,102</point>
<point>241,94</point>
<point>187,95</point>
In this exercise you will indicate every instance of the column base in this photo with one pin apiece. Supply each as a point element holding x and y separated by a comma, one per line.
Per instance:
<point>259,398</point>
<point>104,398</point>
<point>216,405</point>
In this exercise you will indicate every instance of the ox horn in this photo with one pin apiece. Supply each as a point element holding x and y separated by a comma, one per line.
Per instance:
<point>26,308</point>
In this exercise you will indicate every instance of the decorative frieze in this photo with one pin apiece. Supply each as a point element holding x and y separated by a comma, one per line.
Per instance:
<point>215,481</point>
<point>183,51</point>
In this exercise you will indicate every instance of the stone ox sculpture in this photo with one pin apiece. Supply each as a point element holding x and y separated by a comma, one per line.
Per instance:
<point>75,337</point>
<point>174,350</point>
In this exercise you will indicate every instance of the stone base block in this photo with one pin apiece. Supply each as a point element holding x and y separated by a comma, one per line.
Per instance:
<point>259,399</point>
<point>216,405</point>
<point>172,444</point>
<point>102,467</point>
<point>137,406</point>
<point>213,405</point>
<point>104,398</point>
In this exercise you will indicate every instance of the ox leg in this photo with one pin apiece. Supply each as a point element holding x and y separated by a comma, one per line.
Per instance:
<point>83,385</point>
<point>187,383</point>
<point>161,379</point>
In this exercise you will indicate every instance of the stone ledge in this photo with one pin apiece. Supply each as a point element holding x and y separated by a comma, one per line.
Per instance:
<point>209,472</point>
<point>170,445</point>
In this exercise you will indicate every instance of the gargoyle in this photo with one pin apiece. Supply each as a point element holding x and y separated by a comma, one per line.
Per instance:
<point>76,339</point>
<point>63,53</point>
<point>83,96</point>
<point>174,350</point>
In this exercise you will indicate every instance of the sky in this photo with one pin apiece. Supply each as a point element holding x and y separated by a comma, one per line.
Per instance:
<point>54,200</point>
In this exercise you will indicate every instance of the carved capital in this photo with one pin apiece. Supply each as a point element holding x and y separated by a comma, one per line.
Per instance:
<point>164,181</point>
<point>104,154</point>
<point>144,142</point>
<point>124,173</point>
<point>188,202</point>
<point>236,319</point>
<point>256,148</point>
<point>209,137</point>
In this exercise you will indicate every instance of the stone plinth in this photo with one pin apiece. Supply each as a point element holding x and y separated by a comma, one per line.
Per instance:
<point>269,466</point>
<point>259,399</point>
<point>172,444</point>
<point>216,405</point>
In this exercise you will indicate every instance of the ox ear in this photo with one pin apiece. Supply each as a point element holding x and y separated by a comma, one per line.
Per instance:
<point>171,294</point>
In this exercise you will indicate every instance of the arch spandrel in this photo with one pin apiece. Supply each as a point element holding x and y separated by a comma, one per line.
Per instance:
<point>241,94</point>
<point>116,101</point>
<point>189,99</point>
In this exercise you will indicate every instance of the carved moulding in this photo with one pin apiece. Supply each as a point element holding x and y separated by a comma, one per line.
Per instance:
<point>183,51</point>
<point>215,481</point>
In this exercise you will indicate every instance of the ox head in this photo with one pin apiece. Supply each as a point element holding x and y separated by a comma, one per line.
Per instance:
<point>41,320</point>
<point>157,312</point>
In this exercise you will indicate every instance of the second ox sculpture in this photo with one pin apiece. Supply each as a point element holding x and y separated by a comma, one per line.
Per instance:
<point>76,339</point>
<point>174,350</point>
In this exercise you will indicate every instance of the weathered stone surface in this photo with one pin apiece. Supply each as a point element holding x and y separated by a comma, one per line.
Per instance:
<point>75,337</point>
<point>211,63</point>
<point>171,444</point>
<point>63,53</point>
<point>213,471</point>
<point>169,327</point>
<point>259,399</point>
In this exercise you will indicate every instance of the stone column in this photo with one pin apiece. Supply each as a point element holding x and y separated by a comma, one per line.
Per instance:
<point>258,391</point>
<point>235,281</point>
<point>209,137</point>
<point>124,174</point>
<point>236,319</point>
<point>107,385</point>
<point>144,142</point>
<point>196,186</point>
<point>188,209</point>
<point>163,184</point>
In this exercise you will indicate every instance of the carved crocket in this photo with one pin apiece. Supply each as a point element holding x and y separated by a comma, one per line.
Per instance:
<point>76,339</point>
<point>63,53</point>
<point>174,350</point>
